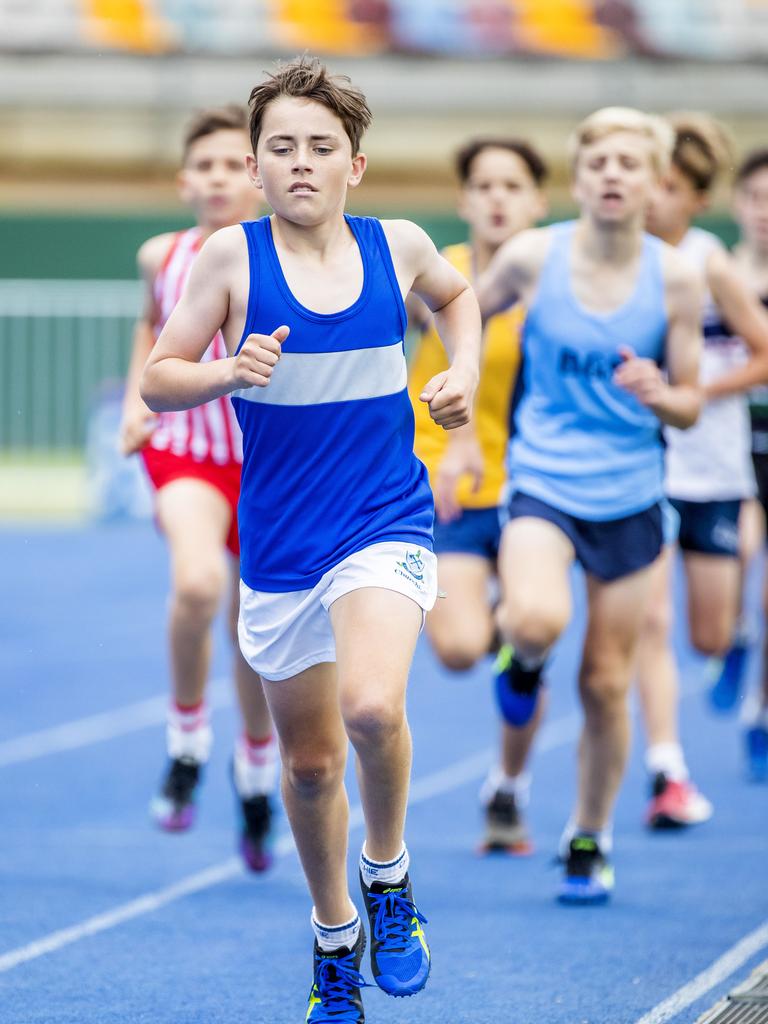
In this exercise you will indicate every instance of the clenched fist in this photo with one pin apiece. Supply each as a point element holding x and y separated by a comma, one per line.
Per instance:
<point>449,395</point>
<point>259,355</point>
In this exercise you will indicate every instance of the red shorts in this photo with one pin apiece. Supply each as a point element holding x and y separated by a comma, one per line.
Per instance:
<point>163,467</point>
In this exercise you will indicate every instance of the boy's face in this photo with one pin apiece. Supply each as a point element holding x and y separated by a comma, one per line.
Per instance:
<point>214,180</point>
<point>750,204</point>
<point>304,161</point>
<point>674,203</point>
<point>614,177</point>
<point>500,197</point>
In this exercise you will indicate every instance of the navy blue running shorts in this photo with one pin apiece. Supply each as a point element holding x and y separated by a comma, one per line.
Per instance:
<point>477,531</point>
<point>608,549</point>
<point>709,527</point>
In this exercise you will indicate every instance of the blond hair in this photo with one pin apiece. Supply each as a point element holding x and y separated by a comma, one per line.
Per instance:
<point>703,148</point>
<point>306,78</point>
<point>610,120</point>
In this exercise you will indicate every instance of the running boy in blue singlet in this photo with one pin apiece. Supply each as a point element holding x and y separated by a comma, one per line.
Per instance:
<point>606,306</point>
<point>335,510</point>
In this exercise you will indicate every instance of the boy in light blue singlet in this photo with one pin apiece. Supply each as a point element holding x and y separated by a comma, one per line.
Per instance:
<point>335,510</point>
<point>607,305</point>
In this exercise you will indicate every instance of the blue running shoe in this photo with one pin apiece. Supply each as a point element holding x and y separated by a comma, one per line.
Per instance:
<point>727,687</point>
<point>517,689</point>
<point>588,877</point>
<point>400,958</point>
<point>757,753</point>
<point>335,994</point>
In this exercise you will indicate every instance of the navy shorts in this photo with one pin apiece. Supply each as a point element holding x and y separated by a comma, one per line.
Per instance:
<point>477,531</point>
<point>608,549</point>
<point>709,527</point>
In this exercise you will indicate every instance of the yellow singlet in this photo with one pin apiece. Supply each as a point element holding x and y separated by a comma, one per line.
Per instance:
<point>498,371</point>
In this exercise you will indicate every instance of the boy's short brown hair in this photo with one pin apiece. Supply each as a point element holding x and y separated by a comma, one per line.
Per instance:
<point>756,160</point>
<point>530,156</point>
<point>307,78</point>
<point>231,117</point>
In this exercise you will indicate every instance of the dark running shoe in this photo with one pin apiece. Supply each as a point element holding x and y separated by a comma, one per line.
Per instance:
<point>587,875</point>
<point>505,829</point>
<point>173,809</point>
<point>517,689</point>
<point>335,994</point>
<point>400,958</point>
<point>729,683</point>
<point>256,831</point>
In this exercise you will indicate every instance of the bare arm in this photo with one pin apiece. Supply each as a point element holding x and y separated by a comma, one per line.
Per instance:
<point>746,317</point>
<point>676,400</point>
<point>174,377</point>
<point>512,273</point>
<point>138,421</point>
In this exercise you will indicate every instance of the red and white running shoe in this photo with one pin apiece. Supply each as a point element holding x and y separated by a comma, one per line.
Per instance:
<point>676,804</point>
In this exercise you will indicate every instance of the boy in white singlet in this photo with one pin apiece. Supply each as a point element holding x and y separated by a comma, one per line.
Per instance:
<point>336,512</point>
<point>708,468</point>
<point>750,206</point>
<point>193,459</point>
<point>606,305</point>
<point>500,194</point>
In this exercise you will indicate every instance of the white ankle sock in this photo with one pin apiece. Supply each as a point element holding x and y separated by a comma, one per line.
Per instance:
<point>330,937</point>
<point>188,733</point>
<point>498,782</point>
<point>389,872</point>
<point>255,766</point>
<point>666,758</point>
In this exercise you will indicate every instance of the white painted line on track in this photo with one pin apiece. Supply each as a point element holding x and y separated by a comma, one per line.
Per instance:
<point>554,734</point>
<point>722,968</point>
<point>82,732</point>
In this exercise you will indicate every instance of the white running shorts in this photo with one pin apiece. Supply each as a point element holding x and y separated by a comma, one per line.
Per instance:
<point>284,634</point>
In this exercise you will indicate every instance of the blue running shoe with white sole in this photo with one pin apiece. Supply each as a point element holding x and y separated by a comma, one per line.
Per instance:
<point>517,689</point>
<point>756,740</point>
<point>335,994</point>
<point>588,877</point>
<point>400,957</point>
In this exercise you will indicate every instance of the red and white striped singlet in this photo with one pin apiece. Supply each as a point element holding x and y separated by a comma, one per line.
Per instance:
<point>211,431</point>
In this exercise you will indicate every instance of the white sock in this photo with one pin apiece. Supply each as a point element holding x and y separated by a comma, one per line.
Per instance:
<point>388,872</point>
<point>754,713</point>
<point>255,765</point>
<point>667,759</point>
<point>603,837</point>
<point>498,782</point>
<point>330,937</point>
<point>188,733</point>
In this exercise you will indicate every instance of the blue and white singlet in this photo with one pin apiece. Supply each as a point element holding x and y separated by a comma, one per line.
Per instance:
<point>582,444</point>
<point>328,463</point>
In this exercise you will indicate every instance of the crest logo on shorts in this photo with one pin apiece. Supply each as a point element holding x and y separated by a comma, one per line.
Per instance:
<point>413,565</point>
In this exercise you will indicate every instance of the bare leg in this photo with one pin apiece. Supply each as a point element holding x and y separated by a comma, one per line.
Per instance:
<point>376,632</point>
<point>461,626</point>
<point>714,586</point>
<point>313,744</point>
<point>195,518</point>
<point>657,676</point>
<point>615,614</point>
<point>253,704</point>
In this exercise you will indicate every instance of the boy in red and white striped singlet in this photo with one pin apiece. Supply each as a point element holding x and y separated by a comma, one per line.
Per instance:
<point>193,459</point>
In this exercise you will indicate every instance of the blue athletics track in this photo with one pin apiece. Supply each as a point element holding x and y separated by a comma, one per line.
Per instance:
<point>105,921</point>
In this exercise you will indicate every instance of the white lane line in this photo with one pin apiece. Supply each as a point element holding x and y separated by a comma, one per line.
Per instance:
<point>722,968</point>
<point>554,734</point>
<point>83,732</point>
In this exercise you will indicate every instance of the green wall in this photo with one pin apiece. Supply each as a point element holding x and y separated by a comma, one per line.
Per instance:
<point>82,246</point>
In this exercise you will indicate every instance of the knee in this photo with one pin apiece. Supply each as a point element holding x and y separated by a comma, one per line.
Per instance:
<point>531,628</point>
<point>604,689</point>
<point>657,623</point>
<point>459,653</point>
<point>712,643</point>
<point>310,773</point>
<point>373,722</point>
<point>198,592</point>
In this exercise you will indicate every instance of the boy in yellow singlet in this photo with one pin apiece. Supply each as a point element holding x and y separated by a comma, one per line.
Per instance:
<point>500,194</point>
